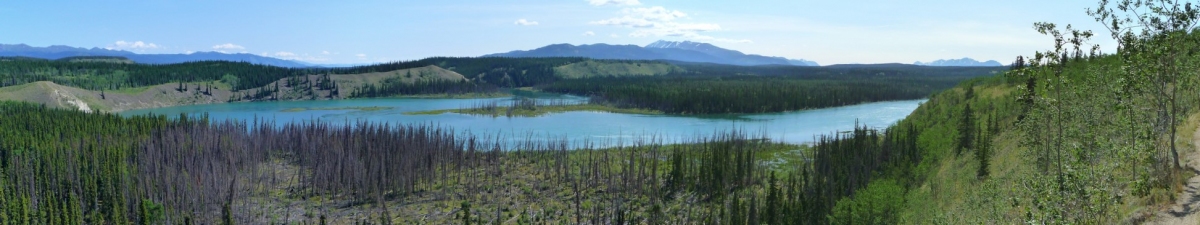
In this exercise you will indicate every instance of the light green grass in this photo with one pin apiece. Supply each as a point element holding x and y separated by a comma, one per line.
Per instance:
<point>131,90</point>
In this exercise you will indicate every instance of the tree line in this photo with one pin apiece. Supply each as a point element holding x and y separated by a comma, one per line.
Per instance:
<point>745,94</point>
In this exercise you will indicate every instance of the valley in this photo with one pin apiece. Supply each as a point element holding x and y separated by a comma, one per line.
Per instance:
<point>317,123</point>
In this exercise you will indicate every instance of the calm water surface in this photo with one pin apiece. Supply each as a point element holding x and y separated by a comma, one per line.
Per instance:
<point>596,127</point>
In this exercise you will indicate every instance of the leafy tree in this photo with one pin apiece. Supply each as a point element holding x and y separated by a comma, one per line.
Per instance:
<point>878,203</point>
<point>1157,40</point>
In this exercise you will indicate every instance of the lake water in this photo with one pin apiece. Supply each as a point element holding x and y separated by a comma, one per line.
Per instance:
<point>600,128</point>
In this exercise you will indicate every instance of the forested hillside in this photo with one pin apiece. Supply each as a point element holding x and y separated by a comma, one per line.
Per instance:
<point>672,87</point>
<point>1070,135</point>
<point>747,94</point>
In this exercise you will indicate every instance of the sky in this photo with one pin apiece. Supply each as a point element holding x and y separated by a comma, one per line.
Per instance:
<point>370,31</point>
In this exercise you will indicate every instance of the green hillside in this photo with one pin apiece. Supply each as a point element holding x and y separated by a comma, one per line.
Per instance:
<point>598,68</point>
<point>1069,136</point>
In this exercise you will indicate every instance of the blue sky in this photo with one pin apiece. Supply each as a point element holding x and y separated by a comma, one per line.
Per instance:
<point>364,31</point>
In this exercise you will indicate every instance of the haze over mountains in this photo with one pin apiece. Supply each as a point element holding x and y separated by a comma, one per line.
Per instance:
<point>60,51</point>
<point>685,51</point>
<point>959,62</point>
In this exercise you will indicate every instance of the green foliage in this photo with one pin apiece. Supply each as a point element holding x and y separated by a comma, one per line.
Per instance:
<point>465,207</point>
<point>1115,114</point>
<point>495,71</point>
<point>983,147</point>
<point>60,155</point>
<point>230,79</point>
<point>746,94</point>
<point>878,203</point>
<point>150,211</point>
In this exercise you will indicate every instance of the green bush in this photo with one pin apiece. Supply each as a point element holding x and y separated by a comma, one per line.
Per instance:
<point>879,203</point>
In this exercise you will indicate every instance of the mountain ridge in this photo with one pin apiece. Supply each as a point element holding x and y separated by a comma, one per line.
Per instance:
<point>54,52</point>
<point>958,62</point>
<point>686,51</point>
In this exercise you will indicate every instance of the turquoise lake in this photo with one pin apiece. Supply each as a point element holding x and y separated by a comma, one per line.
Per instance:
<point>598,128</point>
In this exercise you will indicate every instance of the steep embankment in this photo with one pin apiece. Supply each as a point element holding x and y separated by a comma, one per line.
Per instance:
<point>1068,150</point>
<point>166,95</point>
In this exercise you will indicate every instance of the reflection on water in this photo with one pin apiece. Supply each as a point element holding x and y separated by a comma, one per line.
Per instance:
<point>599,128</point>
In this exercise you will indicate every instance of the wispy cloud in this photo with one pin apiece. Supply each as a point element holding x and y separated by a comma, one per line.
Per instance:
<point>137,45</point>
<point>295,56</point>
<point>524,22</point>
<point>589,33</point>
<point>614,2</point>
<point>361,56</point>
<point>661,22</point>
<point>227,47</point>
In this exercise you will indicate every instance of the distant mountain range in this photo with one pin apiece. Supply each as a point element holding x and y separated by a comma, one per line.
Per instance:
<point>685,51</point>
<point>959,62</point>
<point>60,51</point>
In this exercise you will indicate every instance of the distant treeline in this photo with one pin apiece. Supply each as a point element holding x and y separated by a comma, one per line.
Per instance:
<point>748,94</point>
<point>498,71</point>
<point>854,71</point>
<point>98,74</point>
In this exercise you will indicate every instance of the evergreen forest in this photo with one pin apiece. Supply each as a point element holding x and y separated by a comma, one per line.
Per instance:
<point>1067,135</point>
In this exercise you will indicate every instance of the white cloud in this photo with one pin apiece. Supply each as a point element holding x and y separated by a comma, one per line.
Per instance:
<point>614,35</point>
<point>137,45</point>
<point>361,56</point>
<point>661,22</point>
<point>589,33</point>
<point>227,46</point>
<point>614,2</point>
<point>524,22</point>
<point>325,52</point>
<point>285,54</point>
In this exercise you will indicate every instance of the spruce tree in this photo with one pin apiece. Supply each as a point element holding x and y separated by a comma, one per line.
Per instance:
<point>466,209</point>
<point>966,126</point>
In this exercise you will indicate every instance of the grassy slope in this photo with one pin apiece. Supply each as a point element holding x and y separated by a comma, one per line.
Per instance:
<point>951,179</point>
<point>55,95</point>
<point>347,82</point>
<point>165,95</point>
<point>950,192</point>
<point>603,68</point>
